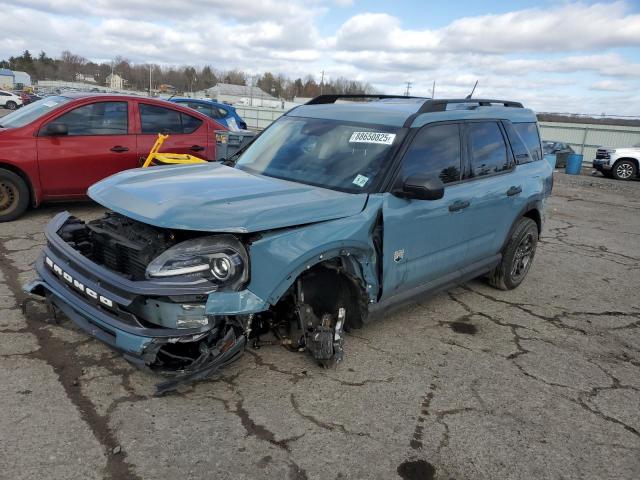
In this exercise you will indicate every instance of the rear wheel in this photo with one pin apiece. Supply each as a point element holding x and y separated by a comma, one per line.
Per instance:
<point>11,105</point>
<point>517,256</point>
<point>624,170</point>
<point>14,196</point>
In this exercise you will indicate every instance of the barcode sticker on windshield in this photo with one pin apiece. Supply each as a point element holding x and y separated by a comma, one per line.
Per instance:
<point>373,137</point>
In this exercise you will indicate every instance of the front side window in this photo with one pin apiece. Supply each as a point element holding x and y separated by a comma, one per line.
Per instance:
<point>100,118</point>
<point>334,154</point>
<point>435,151</point>
<point>488,149</point>
<point>155,119</point>
<point>529,134</point>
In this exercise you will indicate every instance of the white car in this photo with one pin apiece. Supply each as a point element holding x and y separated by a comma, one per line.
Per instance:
<point>618,163</point>
<point>9,100</point>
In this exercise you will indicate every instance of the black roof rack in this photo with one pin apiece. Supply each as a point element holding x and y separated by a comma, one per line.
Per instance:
<point>440,105</point>
<point>331,98</point>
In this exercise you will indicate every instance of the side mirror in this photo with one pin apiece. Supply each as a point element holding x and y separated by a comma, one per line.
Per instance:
<point>55,130</point>
<point>422,187</point>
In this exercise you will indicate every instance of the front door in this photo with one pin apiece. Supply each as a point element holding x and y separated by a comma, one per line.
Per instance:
<point>97,144</point>
<point>426,240</point>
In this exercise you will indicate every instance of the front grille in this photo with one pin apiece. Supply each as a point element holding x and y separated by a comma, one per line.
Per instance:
<point>117,243</point>
<point>119,257</point>
<point>602,154</point>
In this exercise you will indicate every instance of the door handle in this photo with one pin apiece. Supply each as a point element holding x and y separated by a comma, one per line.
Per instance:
<point>514,191</point>
<point>196,148</point>
<point>459,205</point>
<point>119,149</point>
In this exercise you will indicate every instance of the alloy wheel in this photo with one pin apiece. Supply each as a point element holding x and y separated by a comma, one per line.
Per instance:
<point>624,171</point>
<point>523,256</point>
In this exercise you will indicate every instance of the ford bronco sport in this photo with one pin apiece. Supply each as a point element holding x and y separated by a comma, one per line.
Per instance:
<point>336,213</point>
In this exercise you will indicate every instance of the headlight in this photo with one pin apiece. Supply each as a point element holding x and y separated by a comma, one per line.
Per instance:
<point>220,259</point>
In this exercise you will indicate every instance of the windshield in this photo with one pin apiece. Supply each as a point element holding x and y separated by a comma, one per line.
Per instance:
<point>35,110</point>
<point>332,154</point>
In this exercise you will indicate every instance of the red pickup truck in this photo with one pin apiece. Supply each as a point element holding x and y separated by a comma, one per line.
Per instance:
<point>54,149</point>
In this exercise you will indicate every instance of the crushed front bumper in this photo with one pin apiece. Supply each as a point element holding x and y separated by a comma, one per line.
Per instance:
<point>99,301</point>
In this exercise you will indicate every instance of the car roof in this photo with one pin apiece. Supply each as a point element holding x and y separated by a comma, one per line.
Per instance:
<point>197,100</point>
<point>395,112</point>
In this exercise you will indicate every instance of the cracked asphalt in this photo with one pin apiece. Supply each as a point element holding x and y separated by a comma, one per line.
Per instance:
<point>540,382</point>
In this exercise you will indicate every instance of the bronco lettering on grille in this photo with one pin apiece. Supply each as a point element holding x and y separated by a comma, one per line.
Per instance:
<point>78,286</point>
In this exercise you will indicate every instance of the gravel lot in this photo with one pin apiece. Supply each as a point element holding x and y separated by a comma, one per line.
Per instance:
<point>4,111</point>
<point>541,382</point>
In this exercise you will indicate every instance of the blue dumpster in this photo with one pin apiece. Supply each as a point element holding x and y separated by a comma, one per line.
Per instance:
<point>574,164</point>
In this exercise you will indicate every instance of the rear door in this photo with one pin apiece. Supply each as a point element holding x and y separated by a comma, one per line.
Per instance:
<point>495,187</point>
<point>187,133</point>
<point>98,144</point>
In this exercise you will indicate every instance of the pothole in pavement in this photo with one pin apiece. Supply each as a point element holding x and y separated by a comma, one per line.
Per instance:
<point>416,470</point>
<point>462,327</point>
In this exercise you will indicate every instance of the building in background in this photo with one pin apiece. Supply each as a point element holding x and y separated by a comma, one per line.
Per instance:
<point>21,79</point>
<point>115,81</point>
<point>80,77</point>
<point>7,79</point>
<point>241,94</point>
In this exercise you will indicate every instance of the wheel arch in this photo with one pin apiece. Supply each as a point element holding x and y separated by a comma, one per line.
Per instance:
<point>532,211</point>
<point>635,161</point>
<point>357,262</point>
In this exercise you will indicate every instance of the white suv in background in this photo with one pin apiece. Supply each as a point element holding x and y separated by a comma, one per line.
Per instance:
<point>9,100</point>
<point>618,163</point>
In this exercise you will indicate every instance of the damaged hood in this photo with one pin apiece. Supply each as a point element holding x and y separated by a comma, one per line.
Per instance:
<point>216,198</point>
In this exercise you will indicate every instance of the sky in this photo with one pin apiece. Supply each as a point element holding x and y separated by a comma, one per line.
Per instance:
<point>555,56</point>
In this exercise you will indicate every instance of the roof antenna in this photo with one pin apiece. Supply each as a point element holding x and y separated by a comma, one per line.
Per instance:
<point>474,89</point>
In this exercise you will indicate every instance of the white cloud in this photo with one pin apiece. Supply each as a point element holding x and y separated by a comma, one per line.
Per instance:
<point>568,27</point>
<point>572,56</point>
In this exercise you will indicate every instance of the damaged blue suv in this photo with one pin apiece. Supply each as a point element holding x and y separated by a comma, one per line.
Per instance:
<point>336,213</point>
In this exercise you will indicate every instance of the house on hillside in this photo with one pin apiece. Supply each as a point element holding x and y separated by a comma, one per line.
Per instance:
<point>81,77</point>
<point>7,79</point>
<point>241,94</point>
<point>115,81</point>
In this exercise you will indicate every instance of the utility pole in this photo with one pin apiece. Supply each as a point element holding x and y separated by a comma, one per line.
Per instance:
<point>433,90</point>
<point>150,69</point>
<point>322,82</point>
<point>406,93</point>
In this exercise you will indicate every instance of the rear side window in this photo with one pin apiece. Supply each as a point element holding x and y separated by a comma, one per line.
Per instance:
<point>156,119</point>
<point>101,118</point>
<point>529,134</point>
<point>520,150</point>
<point>434,151</point>
<point>487,149</point>
<point>204,109</point>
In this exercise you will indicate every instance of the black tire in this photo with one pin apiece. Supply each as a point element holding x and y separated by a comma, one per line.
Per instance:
<point>624,170</point>
<point>14,196</point>
<point>607,173</point>
<point>517,256</point>
<point>11,105</point>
